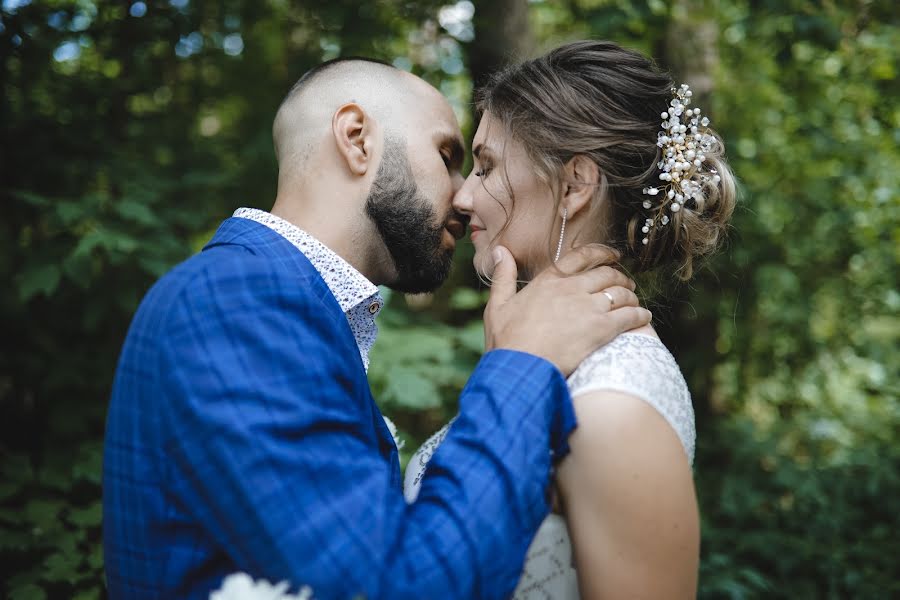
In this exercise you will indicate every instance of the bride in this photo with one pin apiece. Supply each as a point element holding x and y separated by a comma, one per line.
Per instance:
<point>591,143</point>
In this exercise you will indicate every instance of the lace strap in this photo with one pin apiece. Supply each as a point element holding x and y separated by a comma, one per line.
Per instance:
<point>641,365</point>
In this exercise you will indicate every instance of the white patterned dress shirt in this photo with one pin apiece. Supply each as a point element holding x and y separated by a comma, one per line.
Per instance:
<point>357,296</point>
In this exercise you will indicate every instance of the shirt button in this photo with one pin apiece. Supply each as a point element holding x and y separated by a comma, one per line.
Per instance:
<point>374,308</point>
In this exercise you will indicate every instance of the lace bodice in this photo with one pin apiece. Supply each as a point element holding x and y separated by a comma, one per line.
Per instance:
<point>633,363</point>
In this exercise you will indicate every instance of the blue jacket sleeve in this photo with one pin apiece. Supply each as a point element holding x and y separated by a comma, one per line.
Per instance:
<point>274,449</point>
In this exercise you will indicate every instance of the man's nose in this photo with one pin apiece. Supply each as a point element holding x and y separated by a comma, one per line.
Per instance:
<point>458,182</point>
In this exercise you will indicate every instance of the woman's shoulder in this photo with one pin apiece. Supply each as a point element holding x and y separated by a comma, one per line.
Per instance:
<point>638,363</point>
<point>633,359</point>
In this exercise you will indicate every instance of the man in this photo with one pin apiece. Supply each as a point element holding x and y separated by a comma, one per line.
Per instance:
<point>242,435</point>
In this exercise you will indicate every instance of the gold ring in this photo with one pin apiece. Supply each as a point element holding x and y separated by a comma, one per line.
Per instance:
<point>612,301</point>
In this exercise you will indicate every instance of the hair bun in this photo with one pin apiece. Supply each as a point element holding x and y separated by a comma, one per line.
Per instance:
<point>695,192</point>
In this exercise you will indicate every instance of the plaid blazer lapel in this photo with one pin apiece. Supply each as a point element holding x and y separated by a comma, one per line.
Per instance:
<point>260,240</point>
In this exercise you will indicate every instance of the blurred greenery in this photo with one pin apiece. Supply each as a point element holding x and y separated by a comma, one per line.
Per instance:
<point>130,130</point>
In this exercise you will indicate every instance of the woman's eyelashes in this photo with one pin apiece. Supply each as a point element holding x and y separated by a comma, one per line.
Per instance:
<point>483,171</point>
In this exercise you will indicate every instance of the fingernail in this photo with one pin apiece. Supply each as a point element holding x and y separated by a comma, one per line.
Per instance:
<point>498,255</point>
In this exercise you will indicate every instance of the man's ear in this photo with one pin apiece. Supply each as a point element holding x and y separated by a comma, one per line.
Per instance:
<point>581,178</point>
<point>354,136</point>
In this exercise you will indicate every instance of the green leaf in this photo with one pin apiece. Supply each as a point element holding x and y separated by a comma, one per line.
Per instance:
<point>56,472</point>
<point>78,269</point>
<point>467,299</point>
<point>43,513</point>
<point>91,594</point>
<point>407,388</point>
<point>29,591</point>
<point>95,558</point>
<point>86,244</point>
<point>61,567</point>
<point>122,243</point>
<point>422,344</point>
<point>472,337</point>
<point>33,198</point>
<point>89,465</point>
<point>41,279</point>
<point>70,212</point>
<point>153,265</point>
<point>136,212</point>
<point>90,516</point>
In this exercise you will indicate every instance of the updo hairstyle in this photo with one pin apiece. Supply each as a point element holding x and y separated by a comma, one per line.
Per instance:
<point>605,102</point>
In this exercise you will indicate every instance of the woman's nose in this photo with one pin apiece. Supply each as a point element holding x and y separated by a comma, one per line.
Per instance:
<point>462,200</point>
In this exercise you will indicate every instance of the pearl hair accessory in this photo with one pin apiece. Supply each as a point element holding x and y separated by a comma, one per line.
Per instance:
<point>684,147</point>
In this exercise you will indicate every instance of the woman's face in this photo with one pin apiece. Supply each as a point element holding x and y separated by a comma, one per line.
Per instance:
<point>485,198</point>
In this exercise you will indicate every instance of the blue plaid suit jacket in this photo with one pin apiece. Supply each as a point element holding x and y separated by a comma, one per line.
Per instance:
<point>242,436</point>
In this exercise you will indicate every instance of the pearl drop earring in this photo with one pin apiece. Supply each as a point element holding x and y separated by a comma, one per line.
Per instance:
<point>562,233</point>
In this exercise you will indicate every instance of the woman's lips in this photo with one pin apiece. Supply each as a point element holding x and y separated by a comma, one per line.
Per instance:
<point>475,231</point>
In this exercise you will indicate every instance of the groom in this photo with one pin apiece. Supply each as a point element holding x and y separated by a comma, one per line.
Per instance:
<point>242,435</point>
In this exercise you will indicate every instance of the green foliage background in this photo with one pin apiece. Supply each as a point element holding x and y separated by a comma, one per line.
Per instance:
<point>128,135</point>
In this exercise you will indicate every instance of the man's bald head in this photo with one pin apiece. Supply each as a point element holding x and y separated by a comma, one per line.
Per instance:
<point>369,158</point>
<point>386,93</point>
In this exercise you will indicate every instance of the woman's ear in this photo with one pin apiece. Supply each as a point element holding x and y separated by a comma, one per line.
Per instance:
<point>582,176</point>
<point>353,134</point>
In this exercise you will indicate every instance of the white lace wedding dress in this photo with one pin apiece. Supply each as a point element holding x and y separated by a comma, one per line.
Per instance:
<point>633,363</point>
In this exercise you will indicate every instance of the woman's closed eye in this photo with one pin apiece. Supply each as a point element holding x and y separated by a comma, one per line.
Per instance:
<point>484,171</point>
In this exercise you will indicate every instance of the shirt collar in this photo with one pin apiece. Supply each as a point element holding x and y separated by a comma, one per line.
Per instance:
<point>357,296</point>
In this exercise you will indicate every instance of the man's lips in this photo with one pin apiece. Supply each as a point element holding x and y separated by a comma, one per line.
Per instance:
<point>456,229</point>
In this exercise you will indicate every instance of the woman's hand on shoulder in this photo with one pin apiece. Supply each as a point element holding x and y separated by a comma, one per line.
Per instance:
<point>628,494</point>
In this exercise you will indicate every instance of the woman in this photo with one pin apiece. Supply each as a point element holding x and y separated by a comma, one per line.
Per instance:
<point>571,150</point>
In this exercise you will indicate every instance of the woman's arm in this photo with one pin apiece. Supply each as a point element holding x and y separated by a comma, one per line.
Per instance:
<point>628,494</point>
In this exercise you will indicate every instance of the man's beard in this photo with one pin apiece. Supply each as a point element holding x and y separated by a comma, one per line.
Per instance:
<point>407,224</point>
